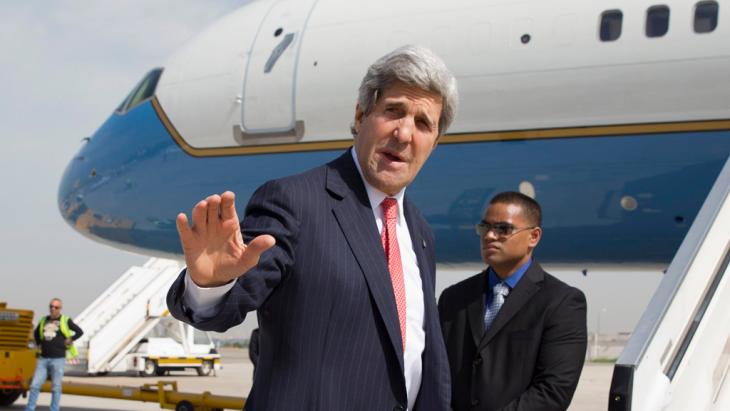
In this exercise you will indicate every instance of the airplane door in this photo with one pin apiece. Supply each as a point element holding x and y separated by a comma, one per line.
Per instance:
<point>268,112</point>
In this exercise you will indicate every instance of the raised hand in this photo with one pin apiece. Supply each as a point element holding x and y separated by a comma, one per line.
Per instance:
<point>214,250</point>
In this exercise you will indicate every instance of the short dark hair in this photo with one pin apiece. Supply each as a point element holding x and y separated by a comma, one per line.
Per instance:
<point>530,208</point>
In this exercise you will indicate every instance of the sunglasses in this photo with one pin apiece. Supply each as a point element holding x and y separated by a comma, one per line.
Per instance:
<point>501,230</point>
<point>54,307</point>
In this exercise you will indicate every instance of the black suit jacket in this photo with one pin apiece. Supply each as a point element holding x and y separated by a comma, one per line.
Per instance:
<point>329,331</point>
<point>532,355</point>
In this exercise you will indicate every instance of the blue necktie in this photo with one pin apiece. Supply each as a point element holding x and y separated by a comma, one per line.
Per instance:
<point>498,293</point>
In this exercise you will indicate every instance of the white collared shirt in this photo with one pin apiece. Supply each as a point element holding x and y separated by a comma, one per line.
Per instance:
<point>415,331</point>
<point>204,301</point>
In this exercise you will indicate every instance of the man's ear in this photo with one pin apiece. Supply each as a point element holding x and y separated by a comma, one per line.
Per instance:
<point>535,236</point>
<point>358,118</point>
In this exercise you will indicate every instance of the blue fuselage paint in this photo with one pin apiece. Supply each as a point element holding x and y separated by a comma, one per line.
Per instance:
<point>128,183</point>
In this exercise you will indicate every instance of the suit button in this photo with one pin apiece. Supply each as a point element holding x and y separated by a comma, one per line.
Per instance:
<point>399,408</point>
<point>477,361</point>
<point>474,402</point>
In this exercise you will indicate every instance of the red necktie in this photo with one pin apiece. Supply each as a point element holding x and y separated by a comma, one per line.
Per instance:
<point>392,254</point>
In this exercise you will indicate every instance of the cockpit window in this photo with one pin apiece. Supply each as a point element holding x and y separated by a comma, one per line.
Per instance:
<point>141,92</point>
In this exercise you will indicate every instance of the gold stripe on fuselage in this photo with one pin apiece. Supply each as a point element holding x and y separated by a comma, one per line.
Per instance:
<point>569,132</point>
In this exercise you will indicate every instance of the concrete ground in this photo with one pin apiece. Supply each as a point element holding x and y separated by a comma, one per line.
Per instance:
<point>236,377</point>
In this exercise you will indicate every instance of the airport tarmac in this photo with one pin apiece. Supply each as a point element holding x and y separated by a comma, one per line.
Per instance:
<point>236,376</point>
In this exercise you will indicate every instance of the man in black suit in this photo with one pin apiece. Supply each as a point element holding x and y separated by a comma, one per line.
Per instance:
<point>515,335</point>
<point>337,263</point>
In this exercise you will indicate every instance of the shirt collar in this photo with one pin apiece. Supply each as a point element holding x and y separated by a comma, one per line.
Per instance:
<point>512,280</point>
<point>374,195</point>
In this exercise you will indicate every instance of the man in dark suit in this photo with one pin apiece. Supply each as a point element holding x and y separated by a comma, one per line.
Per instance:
<point>337,263</point>
<point>515,335</point>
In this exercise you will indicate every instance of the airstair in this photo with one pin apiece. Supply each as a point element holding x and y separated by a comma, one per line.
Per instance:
<point>122,315</point>
<point>678,357</point>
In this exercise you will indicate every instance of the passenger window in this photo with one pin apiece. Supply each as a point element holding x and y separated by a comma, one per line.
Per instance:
<point>706,16</point>
<point>611,25</point>
<point>657,21</point>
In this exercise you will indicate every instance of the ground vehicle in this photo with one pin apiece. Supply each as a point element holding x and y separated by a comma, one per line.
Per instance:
<point>17,358</point>
<point>181,347</point>
<point>128,328</point>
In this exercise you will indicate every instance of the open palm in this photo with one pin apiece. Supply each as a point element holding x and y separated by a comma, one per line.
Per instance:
<point>214,249</point>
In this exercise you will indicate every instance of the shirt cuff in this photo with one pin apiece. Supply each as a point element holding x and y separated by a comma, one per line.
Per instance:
<point>203,301</point>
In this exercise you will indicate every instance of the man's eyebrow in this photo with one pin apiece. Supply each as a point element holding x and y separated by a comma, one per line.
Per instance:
<point>496,222</point>
<point>394,103</point>
<point>420,113</point>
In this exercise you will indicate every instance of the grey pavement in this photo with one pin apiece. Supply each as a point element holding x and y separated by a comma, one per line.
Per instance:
<point>235,379</point>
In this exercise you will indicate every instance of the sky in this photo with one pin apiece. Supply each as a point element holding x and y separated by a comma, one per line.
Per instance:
<point>65,66</point>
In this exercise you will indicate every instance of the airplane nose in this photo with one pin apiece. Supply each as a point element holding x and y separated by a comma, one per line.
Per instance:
<point>71,188</point>
<point>104,192</point>
<point>83,199</point>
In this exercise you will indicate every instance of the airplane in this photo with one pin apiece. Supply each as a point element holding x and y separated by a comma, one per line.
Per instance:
<point>615,116</point>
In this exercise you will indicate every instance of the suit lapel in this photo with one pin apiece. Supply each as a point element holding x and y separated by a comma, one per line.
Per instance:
<point>520,295</point>
<point>355,217</point>
<point>475,310</point>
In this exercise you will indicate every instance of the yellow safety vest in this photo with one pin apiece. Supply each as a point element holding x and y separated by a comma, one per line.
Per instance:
<point>71,351</point>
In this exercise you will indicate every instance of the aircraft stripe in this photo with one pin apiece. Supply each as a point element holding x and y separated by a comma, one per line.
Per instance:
<point>457,138</point>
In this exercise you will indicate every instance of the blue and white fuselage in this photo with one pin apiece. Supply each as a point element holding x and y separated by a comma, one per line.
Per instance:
<point>619,139</point>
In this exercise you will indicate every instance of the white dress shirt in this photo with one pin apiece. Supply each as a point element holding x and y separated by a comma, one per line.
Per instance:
<point>204,301</point>
<point>415,331</point>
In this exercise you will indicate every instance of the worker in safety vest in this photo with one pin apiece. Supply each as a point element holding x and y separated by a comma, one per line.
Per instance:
<point>54,335</point>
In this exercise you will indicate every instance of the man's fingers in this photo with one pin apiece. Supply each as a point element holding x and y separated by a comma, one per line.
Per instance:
<point>183,229</point>
<point>182,224</point>
<point>258,245</point>
<point>254,249</point>
<point>228,205</point>
<point>200,216</point>
<point>214,203</point>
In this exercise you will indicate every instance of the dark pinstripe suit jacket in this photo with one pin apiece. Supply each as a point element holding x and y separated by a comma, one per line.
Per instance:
<point>329,331</point>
